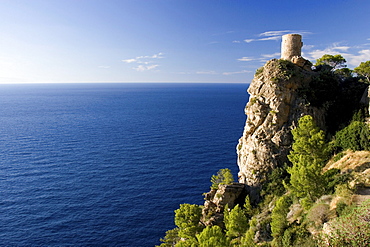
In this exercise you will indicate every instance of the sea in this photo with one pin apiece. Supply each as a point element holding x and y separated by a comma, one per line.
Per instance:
<point>107,164</point>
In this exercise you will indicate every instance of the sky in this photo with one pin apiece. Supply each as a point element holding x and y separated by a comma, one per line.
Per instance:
<point>217,41</point>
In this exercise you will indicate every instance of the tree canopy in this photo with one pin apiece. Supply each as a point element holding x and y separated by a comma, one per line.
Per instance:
<point>212,236</point>
<point>224,176</point>
<point>187,219</point>
<point>334,61</point>
<point>309,151</point>
<point>364,70</point>
<point>236,223</point>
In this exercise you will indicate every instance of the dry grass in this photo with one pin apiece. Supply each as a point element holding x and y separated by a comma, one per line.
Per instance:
<point>358,161</point>
<point>358,164</point>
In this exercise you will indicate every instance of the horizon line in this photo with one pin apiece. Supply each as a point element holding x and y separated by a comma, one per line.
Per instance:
<point>91,82</point>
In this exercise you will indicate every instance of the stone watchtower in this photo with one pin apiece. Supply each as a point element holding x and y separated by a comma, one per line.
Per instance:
<point>291,46</point>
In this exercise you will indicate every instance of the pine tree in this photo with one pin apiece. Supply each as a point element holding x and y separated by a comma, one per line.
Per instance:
<point>309,152</point>
<point>236,223</point>
<point>278,218</point>
<point>248,239</point>
<point>187,219</point>
<point>212,236</point>
<point>224,176</point>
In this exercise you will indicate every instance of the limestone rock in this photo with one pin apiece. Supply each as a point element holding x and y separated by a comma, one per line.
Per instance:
<point>273,109</point>
<point>216,200</point>
<point>228,194</point>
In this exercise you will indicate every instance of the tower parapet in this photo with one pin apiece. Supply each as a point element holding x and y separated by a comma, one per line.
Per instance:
<point>291,46</point>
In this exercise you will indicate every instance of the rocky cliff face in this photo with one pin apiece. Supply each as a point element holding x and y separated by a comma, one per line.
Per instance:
<point>275,105</point>
<point>216,201</point>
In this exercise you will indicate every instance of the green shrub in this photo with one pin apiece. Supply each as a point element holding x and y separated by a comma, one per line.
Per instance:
<point>319,214</point>
<point>352,229</point>
<point>187,219</point>
<point>259,71</point>
<point>343,191</point>
<point>274,184</point>
<point>224,176</point>
<point>171,238</point>
<point>356,136</point>
<point>248,239</point>
<point>236,224</point>
<point>212,236</point>
<point>333,178</point>
<point>338,156</point>
<point>279,221</point>
<point>297,235</point>
<point>341,207</point>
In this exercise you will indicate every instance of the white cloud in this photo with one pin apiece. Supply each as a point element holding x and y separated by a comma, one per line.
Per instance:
<point>332,50</point>
<point>307,47</point>
<point>236,41</point>
<point>270,56</point>
<point>274,35</point>
<point>140,59</point>
<point>144,62</point>
<point>271,38</point>
<point>354,60</point>
<point>132,60</point>
<point>208,72</point>
<point>159,55</point>
<point>261,58</point>
<point>245,59</point>
<point>249,40</point>
<point>141,68</point>
<point>236,72</point>
<point>353,55</point>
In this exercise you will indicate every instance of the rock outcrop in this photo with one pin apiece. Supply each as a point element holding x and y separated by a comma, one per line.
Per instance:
<point>274,107</point>
<point>216,201</point>
<point>282,91</point>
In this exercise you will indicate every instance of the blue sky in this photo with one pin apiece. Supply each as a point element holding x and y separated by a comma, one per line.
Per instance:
<point>170,40</point>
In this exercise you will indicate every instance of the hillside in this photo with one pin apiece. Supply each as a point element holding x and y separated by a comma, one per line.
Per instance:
<point>304,163</point>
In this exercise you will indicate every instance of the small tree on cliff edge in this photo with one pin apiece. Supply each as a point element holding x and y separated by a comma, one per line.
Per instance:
<point>309,152</point>
<point>224,176</point>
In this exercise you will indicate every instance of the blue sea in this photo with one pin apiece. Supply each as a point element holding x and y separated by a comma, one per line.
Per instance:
<point>107,164</point>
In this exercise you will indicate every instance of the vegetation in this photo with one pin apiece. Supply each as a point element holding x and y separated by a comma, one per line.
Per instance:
<point>298,198</point>
<point>363,70</point>
<point>212,236</point>
<point>279,222</point>
<point>187,219</point>
<point>224,176</point>
<point>350,229</point>
<point>356,136</point>
<point>308,156</point>
<point>334,61</point>
<point>236,224</point>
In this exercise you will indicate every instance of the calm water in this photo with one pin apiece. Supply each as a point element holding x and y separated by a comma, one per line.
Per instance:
<point>107,164</point>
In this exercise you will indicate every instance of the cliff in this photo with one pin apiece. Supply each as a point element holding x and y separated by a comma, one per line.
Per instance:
<point>274,108</point>
<point>281,92</point>
<point>265,207</point>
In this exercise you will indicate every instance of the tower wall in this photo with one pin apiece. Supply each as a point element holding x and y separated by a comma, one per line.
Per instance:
<point>291,46</point>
